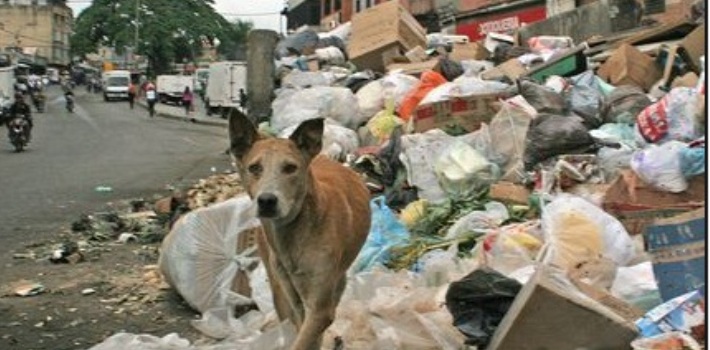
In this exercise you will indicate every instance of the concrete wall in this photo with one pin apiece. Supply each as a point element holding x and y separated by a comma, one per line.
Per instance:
<point>42,29</point>
<point>599,18</point>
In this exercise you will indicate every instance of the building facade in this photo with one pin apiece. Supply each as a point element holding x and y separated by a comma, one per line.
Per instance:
<point>39,28</point>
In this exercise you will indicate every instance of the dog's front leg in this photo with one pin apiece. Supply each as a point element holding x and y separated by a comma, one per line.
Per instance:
<point>288,294</point>
<point>320,312</point>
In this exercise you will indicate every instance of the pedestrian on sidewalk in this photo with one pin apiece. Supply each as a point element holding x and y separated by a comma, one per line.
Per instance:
<point>131,94</point>
<point>243,100</point>
<point>187,98</point>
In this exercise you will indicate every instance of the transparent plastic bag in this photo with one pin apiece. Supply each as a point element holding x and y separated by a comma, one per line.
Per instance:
<point>336,103</point>
<point>419,154</point>
<point>463,171</point>
<point>479,221</point>
<point>199,256</point>
<point>577,231</point>
<point>338,141</point>
<point>509,129</point>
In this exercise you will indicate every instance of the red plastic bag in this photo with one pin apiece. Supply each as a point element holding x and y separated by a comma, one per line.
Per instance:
<point>429,81</point>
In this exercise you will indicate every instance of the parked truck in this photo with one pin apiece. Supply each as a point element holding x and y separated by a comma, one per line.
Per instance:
<point>116,84</point>
<point>171,87</point>
<point>7,86</point>
<point>225,80</point>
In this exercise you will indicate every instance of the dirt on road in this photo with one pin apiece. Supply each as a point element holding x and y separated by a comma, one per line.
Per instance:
<point>97,276</point>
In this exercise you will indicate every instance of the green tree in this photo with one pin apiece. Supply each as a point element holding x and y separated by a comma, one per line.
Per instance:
<point>168,30</point>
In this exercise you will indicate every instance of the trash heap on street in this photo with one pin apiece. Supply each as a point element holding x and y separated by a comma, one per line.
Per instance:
<point>546,192</point>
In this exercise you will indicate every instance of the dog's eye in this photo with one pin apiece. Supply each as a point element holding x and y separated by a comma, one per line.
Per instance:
<point>255,169</point>
<point>290,168</point>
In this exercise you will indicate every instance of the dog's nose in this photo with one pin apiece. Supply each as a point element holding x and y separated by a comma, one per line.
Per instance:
<point>267,204</point>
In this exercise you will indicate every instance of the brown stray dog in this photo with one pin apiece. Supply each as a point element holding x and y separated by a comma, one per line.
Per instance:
<point>316,217</point>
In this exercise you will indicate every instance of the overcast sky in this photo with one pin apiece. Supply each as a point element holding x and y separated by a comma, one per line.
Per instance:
<point>263,13</point>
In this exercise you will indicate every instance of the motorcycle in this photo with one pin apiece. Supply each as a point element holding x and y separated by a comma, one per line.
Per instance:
<point>70,103</point>
<point>19,133</point>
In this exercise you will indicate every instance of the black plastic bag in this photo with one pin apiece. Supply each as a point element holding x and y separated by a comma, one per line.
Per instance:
<point>551,135</point>
<point>450,69</point>
<point>543,99</point>
<point>624,104</point>
<point>478,303</point>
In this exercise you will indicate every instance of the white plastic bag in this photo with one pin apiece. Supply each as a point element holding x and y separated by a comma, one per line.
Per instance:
<point>299,79</point>
<point>462,170</point>
<point>198,257</point>
<point>400,84</point>
<point>370,99</point>
<point>419,154</point>
<point>577,231</point>
<point>336,103</point>
<point>659,166</point>
<point>479,221</point>
<point>338,141</point>
<point>124,341</point>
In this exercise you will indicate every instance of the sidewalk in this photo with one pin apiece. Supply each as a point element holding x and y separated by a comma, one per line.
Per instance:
<point>176,112</point>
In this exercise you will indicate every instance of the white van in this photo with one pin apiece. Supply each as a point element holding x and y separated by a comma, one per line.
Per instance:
<point>225,80</point>
<point>116,84</point>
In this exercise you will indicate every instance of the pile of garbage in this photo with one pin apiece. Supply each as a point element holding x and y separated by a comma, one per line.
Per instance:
<point>548,193</point>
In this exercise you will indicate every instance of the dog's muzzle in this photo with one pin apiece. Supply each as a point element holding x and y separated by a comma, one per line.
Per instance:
<point>267,204</point>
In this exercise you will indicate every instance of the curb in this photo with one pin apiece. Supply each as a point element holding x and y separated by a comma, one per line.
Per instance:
<point>203,121</point>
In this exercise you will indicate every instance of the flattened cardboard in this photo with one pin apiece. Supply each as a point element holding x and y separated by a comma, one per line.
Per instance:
<point>468,51</point>
<point>467,112</point>
<point>629,66</point>
<point>551,313</point>
<point>416,68</point>
<point>511,68</point>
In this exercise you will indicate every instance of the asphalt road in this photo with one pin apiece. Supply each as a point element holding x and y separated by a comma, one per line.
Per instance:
<point>100,144</point>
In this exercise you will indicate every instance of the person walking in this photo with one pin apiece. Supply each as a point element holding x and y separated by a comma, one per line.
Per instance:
<point>131,94</point>
<point>187,98</point>
<point>151,97</point>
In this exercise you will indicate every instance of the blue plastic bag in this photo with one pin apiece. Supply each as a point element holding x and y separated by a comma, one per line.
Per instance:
<point>386,232</point>
<point>692,161</point>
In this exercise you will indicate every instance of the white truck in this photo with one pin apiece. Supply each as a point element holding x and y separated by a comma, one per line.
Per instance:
<point>225,80</point>
<point>171,87</point>
<point>116,84</point>
<point>7,86</point>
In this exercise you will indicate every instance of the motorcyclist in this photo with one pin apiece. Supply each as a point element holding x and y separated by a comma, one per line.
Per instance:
<point>69,98</point>
<point>21,109</point>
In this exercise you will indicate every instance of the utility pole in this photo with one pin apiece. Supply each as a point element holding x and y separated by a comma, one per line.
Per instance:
<point>135,34</point>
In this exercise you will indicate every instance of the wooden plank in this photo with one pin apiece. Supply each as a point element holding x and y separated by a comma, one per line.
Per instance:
<point>650,49</point>
<point>674,30</point>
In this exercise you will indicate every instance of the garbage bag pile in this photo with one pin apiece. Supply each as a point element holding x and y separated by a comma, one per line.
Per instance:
<point>531,194</point>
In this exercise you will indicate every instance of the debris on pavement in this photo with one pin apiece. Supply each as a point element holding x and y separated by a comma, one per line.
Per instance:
<point>547,191</point>
<point>28,288</point>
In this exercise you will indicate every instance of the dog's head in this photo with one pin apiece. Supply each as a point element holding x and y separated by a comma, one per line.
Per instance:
<point>275,171</point>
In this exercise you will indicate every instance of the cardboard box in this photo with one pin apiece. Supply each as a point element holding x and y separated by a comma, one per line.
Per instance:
<point>511,68</point>
<point>677,248</point>
<point>416,68</point>
<point>468,51</point>
<point>467,112</point>
<point>693,46</point>
<point>387,27</point>
<point>417,54</point>
<point>629,66</point>
<point>551,313</point>
<point>636,204</point>
<point>508,192</point>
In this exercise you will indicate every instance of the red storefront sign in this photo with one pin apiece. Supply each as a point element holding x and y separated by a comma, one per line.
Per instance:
<point>504,20</point>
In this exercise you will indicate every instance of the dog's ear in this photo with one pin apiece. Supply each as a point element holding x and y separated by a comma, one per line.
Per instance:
<point>242,133</point>
<point>309,137</point>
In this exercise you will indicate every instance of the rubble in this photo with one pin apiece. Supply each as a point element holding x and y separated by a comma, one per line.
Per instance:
<point>565,164</point>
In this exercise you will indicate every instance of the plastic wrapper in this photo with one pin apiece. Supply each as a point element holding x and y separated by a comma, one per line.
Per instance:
<point>671,118</point>
<point>667,341</point>
<point>338,141</point>
<point>199,256</point>
<point>462,171</point>
<point>331,55</point>
<point>386,232</point>
<point>385,122</point>
<point>577,231</point>
<point>473,68</point>
<point>685,313</point>
<point>612,159</point>
<point>660,167</point>
<point>543,99</point>
<point>552,135</point>
<point>335,103</point>
<point>479,221</point>
<point>548,43</point>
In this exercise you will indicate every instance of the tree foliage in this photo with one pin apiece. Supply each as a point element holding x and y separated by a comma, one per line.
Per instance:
<point>168,30</point>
